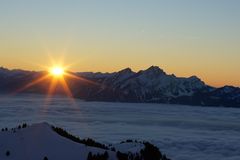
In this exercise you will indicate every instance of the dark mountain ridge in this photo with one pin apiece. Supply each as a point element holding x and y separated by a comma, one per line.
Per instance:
<point>152,85</point>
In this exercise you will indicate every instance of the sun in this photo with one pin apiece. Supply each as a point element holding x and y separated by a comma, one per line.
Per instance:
<point>58,76</point>
<point>57,71</point>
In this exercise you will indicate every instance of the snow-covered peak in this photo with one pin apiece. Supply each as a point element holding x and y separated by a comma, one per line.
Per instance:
<point>153,70</point>
<point>126,71</point>
<point>227,89</point>
<point>95,75</point>
<point>156,83</point>
<point>194,78</point>
<point>121,76</point>
<point>195,82</point>
<point>14,73</point>
<point>5,71</point>
<point>2,69</point>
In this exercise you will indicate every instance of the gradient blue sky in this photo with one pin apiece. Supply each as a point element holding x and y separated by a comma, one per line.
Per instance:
<point>184,37</point>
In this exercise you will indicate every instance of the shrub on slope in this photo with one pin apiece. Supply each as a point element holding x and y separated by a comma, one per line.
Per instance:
<point>88,142</point>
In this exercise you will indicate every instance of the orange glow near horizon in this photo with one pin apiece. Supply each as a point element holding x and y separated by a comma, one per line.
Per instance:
<point>57,76</point>
<point>184,38</point>
<point>215,79</point>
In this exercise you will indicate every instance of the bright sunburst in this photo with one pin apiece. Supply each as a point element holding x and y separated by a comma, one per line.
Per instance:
<point>57,75</point>
<point>57,71</point>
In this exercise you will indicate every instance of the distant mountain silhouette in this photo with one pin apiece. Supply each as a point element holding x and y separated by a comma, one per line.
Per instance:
<point>152,85</point>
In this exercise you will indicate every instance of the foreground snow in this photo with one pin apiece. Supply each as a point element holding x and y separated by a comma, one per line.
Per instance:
<point>40,141</point>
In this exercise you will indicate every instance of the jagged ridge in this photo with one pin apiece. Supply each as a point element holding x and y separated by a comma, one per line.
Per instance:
<point>150,85</point>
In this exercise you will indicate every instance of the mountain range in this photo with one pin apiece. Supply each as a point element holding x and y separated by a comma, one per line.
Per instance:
<point>152,85</point>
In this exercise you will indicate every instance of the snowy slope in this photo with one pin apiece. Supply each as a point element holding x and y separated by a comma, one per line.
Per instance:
<point>40,140</point>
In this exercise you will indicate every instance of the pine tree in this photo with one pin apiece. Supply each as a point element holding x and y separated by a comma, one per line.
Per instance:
<point>8,153</point>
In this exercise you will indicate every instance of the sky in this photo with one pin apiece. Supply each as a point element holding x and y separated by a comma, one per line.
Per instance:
<point>187,37</point>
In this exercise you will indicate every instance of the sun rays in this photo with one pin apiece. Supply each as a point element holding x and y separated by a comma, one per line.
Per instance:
<point>55,79</point>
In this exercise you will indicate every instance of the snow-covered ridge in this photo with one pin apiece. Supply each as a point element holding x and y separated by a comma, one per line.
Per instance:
<point>155,85</point>
<point>146,81</point>
<point>42,141</point>
<point>151,85</point>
